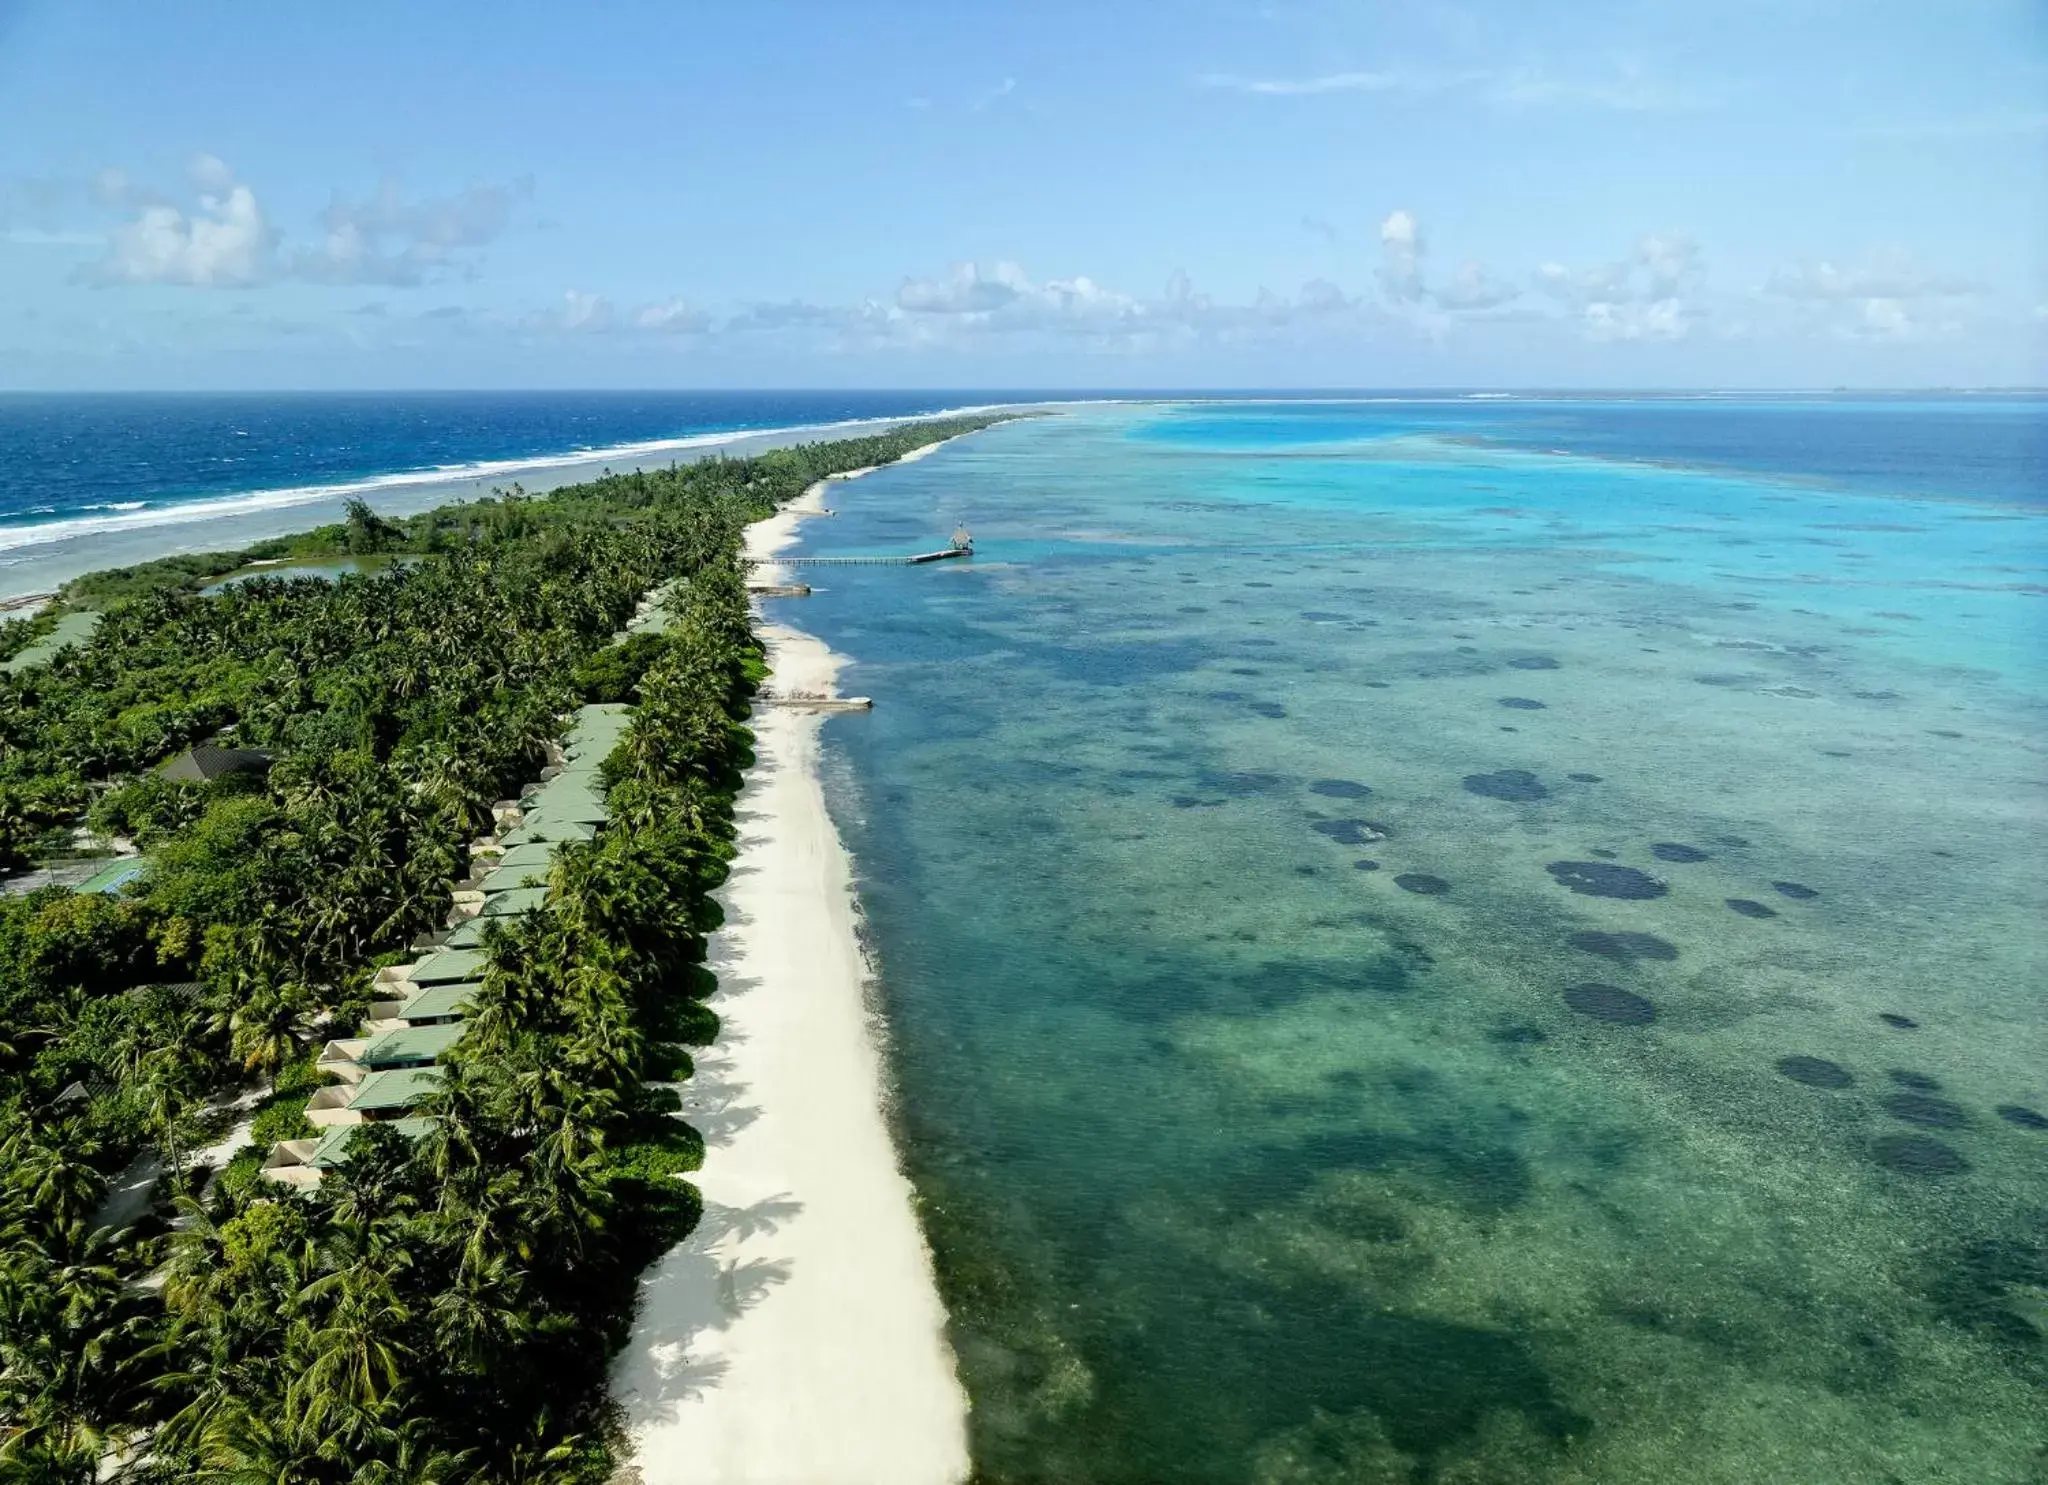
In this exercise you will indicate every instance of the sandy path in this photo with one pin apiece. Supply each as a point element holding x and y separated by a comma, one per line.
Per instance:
<point>796,1338</point>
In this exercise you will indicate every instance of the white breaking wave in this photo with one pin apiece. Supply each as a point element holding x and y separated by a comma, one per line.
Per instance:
<point>130,515</point>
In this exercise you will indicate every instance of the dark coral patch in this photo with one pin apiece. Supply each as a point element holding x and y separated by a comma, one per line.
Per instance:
<point>1339,789</point>
<point>1796,891</point>
<point>1521,704</point>
<point>1603,879</point>
<point>1624,948</point>
<point>1611,1004</point>
<point>1601,853</point>
<point>1422,882</point>
<point>1917,1155</point>
<point>1930,1113</point>
<point>1269,708</point>
<point>1583,778</point>
<point>1515,784</point>
<point>1321,616</point>
<point>1533,662</point>
<point>1918,1082</point>
<point>1815,1072</point>
<point>1750,909</point>
<point>2022,1116</point>
<point>1351,832</point>
<point>1366,865</point>
<point>1668,850</point>
<point>1898,1022</point>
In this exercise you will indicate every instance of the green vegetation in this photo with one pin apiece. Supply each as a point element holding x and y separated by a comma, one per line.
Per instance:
<point>439,1310</point>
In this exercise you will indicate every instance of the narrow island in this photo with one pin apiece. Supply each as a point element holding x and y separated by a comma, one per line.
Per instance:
<point>363,941</point>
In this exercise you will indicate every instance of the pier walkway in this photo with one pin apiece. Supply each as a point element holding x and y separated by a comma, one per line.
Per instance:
<point>939,556</point>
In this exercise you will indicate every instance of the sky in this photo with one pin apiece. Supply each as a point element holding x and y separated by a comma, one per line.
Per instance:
<point>1110,194</point>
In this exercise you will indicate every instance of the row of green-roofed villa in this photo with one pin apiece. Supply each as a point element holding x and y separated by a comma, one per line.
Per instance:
<point>392,1063</point>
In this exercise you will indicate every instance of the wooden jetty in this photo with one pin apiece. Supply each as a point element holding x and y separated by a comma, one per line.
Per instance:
<point>811,703</point>
<point>910,561</point>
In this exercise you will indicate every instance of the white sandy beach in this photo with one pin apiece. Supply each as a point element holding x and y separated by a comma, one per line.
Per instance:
<point>796,1338</point>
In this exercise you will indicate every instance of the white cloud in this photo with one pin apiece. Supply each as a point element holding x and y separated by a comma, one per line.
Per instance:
<point>582,311</point>
<point>1888,275</point>
<point>1331,82</point>
<point>1401,257</point>
<point>1624,87</point>
<point>1403,278</point>
<point>966,290</point>
<point>1471,289</point>
<point>672,317</point>
<point>222,242</point>
<point>210,175</point>
<point>1648,295</point>
<point>386,239</point>
<point>220,237</point>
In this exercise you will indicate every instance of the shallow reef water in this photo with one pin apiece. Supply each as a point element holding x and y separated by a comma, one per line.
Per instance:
<point>1659,1099</point>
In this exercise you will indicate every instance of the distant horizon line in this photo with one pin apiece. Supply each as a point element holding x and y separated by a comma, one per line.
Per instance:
<point>1023,394</point>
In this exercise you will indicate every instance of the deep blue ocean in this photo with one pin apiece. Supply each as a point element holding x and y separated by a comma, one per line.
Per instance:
<point>71,458</point>
<point>1468,942</point>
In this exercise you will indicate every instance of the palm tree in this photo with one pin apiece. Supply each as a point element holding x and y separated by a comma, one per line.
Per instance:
<point>266,1031</point>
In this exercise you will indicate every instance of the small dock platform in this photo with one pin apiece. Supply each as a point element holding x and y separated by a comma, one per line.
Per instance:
<point>801,701</point>
<point>913,560</point>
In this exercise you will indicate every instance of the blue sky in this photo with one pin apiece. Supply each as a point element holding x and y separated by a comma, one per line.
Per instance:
<point>1104,194</point>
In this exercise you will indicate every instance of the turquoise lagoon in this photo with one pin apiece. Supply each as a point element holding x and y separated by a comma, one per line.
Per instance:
<point>1468,942</point>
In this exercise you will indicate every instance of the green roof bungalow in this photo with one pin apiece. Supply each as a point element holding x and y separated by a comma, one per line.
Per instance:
<point>531,832</point>
<point>505,878</point>
<point>430,1007</point>
<point>389,1094</point>
<point>354,1059</point>
<point>446,966</point>
<point>584,809</point>
<point>511,904</point>
<point>537,853</point>
<point>302,1163</point>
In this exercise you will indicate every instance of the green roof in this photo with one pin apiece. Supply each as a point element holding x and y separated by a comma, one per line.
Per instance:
<point>330,1151</point>
<point>550,830</point>
<point>397,1088</point>
<point>505,878</point>
<point>517,900</point>
<point>533,853</point>
<point>411,1044</point>
<point>467,934</point>
<point>571,798</point>
<point>440,1000</point>
<point>444,965</point>
<point>551,824</point>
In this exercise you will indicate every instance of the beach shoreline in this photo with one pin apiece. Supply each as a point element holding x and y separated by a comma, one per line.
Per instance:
<point>797,1334</point>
